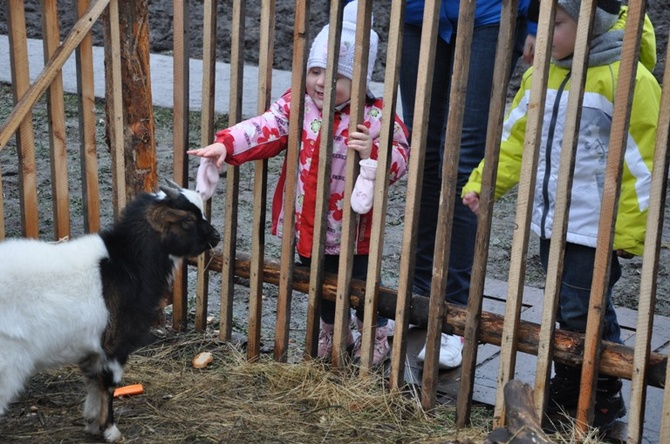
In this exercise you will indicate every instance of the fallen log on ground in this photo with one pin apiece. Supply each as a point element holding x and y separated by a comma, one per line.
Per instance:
<point>523,425</point>
<point>616,359</point>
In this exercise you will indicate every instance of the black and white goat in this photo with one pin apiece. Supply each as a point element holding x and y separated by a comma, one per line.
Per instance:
<point>91,300</point>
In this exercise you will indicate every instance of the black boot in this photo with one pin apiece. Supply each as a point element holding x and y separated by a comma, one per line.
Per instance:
<point>563,388</point>
<point>609,403</point>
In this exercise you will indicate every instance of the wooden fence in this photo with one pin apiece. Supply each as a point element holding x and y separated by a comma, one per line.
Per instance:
<point>125,111</point>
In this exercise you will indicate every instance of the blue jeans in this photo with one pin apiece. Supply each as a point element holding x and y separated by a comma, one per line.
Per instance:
<point>576,289</point>
<point>359,271</point>
<point>473,145</point>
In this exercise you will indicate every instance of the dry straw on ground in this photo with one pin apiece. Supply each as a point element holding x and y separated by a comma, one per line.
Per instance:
<point>231,401</point>
<point>234,401</point>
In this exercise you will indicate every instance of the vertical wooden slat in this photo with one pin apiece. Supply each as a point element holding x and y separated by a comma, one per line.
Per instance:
<point>501,73</point>
<point>25,137</point>
<point>87,126</point>
<point>524,210</point>
<point>424,85</point>
<point>300,33</point>
<point>650,264</point>
<point>237,58</point>
<point>266,48</point>
<point>608,215</point>
<point>393,59</point>
<point>610,198</point>
<point>316,277</point>
<point>232,174</point>
<point>662,137</point>
<point>349,217</point>
<point>258,232</point>
<point>459,81</point>
<point>557,243</point>
<point>114,99</point>
<point>206,132</point>
<point>56,111</point>
<point>555,260</point>
<point>180,141</point>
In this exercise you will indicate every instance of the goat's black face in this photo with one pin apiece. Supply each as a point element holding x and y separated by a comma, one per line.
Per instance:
<point>184,230</point>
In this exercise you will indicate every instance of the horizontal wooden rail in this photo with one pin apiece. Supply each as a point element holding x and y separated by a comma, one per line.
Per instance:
<point>616,359</point>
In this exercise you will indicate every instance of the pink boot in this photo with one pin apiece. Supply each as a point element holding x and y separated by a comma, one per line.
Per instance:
<point>381,345</point>
<point>326,334</point>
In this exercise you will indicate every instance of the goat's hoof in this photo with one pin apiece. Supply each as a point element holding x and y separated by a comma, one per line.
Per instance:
<point>112,434</point>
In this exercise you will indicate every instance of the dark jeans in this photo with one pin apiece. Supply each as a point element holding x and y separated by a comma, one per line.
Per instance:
<point>576,289</point>
<point>473,144</point>
<point>359,271</point>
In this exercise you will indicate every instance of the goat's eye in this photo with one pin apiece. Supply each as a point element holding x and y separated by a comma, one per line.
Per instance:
<point>187,223</point>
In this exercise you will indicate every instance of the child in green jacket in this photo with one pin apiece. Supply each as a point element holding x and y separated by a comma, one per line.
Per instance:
<point>589,175</point>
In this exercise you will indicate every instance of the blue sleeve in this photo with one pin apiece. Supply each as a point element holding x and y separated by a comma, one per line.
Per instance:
<point>414,16</point>
<point>533,16</point>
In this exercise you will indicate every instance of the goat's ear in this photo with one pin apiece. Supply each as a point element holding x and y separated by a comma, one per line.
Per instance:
<point>162,217</point>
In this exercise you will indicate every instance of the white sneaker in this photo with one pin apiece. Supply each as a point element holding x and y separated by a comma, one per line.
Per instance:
<point>390,328</point>
<point>451,347</point>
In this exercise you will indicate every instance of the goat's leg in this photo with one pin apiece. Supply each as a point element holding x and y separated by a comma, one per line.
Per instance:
<point>98,411</point>
<point>109,378</point>
<point>92,404</point>
<point>110,432</point>
<point>13,375</point>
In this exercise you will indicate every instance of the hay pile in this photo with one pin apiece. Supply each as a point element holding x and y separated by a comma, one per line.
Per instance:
<point>231,401</point>
<point>234,401</point>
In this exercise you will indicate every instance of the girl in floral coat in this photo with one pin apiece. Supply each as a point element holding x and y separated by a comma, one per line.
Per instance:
<point>266,136</point>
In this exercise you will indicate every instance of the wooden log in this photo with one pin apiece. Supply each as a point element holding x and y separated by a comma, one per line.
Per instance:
<point>616,359</point>
<point>523,426</point>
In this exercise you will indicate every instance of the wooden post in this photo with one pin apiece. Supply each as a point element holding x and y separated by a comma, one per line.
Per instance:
<point>139,139</point>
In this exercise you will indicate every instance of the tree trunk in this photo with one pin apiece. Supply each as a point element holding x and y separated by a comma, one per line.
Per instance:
<point>138,116</point>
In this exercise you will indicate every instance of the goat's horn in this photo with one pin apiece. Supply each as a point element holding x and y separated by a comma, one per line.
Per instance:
<point>172,190</point>
<point>173,184</point>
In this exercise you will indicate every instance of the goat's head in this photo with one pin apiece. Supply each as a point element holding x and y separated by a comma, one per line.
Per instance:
<point>179,217</point>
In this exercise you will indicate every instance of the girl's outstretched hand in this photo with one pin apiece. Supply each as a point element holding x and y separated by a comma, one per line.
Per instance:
<point>471,200</point>
<point>361,141</point>
<point>216,151</point>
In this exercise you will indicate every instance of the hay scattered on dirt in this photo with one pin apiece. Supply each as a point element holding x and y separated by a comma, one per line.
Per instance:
<point>232,401</point>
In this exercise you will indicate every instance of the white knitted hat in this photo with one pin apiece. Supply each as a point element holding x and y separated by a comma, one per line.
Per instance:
<point>607,13</point>
<point>319,51</point>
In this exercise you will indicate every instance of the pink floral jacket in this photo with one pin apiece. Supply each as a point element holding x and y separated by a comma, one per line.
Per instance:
<point>266,136</point>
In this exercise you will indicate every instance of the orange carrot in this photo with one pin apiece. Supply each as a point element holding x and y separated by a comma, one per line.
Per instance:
<point>134,389</point>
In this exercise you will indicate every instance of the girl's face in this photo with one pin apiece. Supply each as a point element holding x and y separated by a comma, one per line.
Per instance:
<point>315,85</point>
<point>565,33</point>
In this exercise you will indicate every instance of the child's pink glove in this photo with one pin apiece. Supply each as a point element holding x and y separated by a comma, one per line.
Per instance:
<point>207,177</point>
<point>363,195</point>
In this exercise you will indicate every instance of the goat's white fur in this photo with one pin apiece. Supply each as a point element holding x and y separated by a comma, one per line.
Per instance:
<point>60,305</point>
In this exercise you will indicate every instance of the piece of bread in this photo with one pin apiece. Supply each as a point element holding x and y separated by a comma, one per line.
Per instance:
<point>202,360</point>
